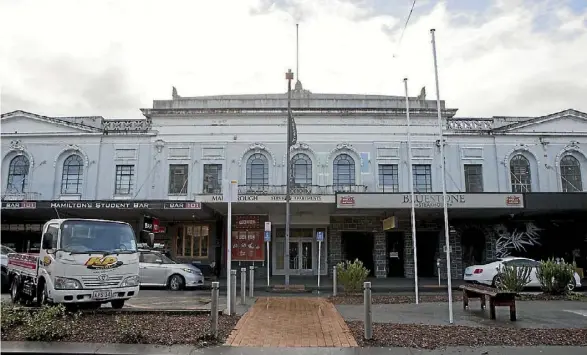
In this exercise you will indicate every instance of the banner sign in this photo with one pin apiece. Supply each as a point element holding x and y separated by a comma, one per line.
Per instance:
<point>430,200</point>
<point>106,205</point>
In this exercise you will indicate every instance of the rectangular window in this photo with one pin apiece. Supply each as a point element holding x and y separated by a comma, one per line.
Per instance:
<point>124,179</point>
<point>178,179</point>
<point>388,177</point>
<point>473,177</point>
<point>212,179</point>
<point>422,178</point>
<point>193,240</point>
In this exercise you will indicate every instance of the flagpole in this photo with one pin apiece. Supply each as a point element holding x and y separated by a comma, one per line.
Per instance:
<point>289,77</point>
<point>413,207</point>
<point>443,170</point>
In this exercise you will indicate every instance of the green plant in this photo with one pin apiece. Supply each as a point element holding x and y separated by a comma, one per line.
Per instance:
<point>128,332</point>
<point>555,277</point>
<point>11,316</point>
<point>49,323</point>
<point>351,275</point>
<point>513,278</point>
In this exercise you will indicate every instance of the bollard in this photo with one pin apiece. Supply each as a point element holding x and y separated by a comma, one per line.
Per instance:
<point>334,287</point>
<point>214,308</point>
<point>243,285</point>
<point>251,280</point>
<point>367,301</point>
<point>438,270</point>
<point>232,292</point>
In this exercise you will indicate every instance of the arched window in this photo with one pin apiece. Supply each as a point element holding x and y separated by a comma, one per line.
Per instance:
<point>344,171</point>
<point>302,170</point>
<point>72,176</point>
<point>257,171</point>
<point>18,175</point>
<point>571,174</point>
<point>520,174</point>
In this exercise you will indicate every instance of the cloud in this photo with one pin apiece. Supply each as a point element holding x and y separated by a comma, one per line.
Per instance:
<point>502,57</point>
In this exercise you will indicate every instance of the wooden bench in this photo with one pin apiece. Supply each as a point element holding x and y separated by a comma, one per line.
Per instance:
<point>496,298</point>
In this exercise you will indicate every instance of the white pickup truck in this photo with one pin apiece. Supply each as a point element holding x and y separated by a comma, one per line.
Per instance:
<point>85,262</point>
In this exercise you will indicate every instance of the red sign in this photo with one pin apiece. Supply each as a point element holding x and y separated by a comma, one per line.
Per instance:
<point>347,200</point>
<point>247,222</point>
<point>247,245</point>
<point>513,200</point>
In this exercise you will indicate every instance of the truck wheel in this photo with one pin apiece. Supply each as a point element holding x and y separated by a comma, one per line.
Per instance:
<point>15,290</point>
<point>117,304</point>
<point>43,295</point>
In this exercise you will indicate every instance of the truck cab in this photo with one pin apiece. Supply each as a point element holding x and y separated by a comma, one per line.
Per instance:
<point>81,261</point>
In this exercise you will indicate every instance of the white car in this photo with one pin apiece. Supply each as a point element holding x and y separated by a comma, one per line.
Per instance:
<point>488,274</point>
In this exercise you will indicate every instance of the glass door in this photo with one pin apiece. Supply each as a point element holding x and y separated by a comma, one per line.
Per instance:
<point>294,257</point>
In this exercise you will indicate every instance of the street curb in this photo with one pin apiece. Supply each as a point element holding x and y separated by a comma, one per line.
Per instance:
<point>138,311</point>
<point>58,348</point>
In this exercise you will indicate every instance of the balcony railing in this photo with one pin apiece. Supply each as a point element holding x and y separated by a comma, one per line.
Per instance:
<point>298,189</point>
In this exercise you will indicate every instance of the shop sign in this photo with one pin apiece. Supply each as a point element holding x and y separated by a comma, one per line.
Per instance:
<point>389,223</point>
<point>431,201</point>
<point>110,205</point>
<point>19,205</point>
<point>182,205</point>
<point>270,198</point>
<point>151,224</point>
<point>247,222</point>
<point>248,245</point>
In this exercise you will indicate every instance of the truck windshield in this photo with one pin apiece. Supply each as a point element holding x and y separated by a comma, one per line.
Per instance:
<point>97,236</point>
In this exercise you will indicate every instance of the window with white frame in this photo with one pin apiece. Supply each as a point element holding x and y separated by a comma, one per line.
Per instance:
<point>389,177</point>
<point>302,170</point>
<point>178,179</point>
<point>18,175</point>
<point>422,174</point>
<point>520,175</point>
<point>473,177</point>
<point>571,174</point>
<point>257,172</point>
<point>343,171</point>
<point>124,179</point>
<point>212,178</point>
<point>72,175</point>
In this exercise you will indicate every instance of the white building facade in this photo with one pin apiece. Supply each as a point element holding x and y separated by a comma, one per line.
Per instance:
<point>350,172</point>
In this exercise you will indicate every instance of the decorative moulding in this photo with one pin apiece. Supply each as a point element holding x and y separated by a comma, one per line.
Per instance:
<point>302,148</point>
<point>17,147</point>
<point>256,148</point>
<point>571,148</point>
<point>159,145</point>
<point>74,149</point>
<point>519,149</point>
<point>341,148</point>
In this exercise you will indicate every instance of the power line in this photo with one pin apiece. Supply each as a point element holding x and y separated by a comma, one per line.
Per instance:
<point>406,25</point>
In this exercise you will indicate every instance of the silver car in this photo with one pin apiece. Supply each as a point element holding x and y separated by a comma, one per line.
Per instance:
<point>156,269</point>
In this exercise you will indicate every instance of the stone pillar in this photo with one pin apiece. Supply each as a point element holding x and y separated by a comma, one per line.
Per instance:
<point>456,255</point>
<point>379,255</point>
<point>408,255</point>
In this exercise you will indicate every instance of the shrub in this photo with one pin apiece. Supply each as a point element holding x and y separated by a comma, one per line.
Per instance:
<point>514,278</point>
<point>11,316</point>
<point>555,277</point>
<point>351,275</point>
<point>127,331</point>
<point>49,323</point>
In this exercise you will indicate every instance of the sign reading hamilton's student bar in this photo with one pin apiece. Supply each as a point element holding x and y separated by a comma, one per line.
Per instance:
<point>103,205</point>
<point>430,201</point>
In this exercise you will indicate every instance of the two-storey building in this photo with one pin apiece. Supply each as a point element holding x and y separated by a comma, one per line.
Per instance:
<point>515,184</point>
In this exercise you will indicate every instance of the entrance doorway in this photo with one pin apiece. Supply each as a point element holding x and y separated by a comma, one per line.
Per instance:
<point>395,254</point>
<point>427,243</point>
<point>300,257</point>
<point>473,240</point>
<point>303,252</point>
<point>359,245</point>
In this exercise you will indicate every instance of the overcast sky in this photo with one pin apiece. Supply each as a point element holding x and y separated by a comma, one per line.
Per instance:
<point>110,58</point>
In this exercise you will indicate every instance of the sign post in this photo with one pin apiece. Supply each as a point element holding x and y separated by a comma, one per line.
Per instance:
<point>267,238</point>
<point>231,193</point>
<point>320,239</point>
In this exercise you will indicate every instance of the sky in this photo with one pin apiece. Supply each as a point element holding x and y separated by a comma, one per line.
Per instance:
<point>112,57</point>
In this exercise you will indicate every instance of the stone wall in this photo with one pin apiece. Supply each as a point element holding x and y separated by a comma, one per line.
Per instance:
<point>456,255</point>
<point>370,224</point>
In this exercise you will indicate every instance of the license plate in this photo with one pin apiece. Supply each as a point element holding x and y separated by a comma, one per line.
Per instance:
<point>101,294</point>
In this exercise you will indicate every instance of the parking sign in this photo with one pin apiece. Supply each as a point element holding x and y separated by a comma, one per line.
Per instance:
<point>320,236</point>
<point>267,236</point>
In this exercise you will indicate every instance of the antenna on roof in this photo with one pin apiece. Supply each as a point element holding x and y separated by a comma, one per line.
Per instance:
<point>297,51</point>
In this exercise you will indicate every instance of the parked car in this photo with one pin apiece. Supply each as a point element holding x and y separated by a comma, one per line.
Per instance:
<point>488,274</point>
<point>156,269</point>
<point>4,251</point>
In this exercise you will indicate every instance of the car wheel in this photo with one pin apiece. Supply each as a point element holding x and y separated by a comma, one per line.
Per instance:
<point>117,304</point>
<point>176,282</point>
<point>497,283</point>
<point>571,286</point>
<point>15,291</point>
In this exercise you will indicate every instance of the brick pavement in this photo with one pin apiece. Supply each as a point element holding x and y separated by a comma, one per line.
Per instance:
<point>292,322</point>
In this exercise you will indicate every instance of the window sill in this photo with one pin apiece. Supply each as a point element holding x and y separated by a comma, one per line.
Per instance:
<point>70,197</point>
<point>177,197</point>
<point>122,197</point>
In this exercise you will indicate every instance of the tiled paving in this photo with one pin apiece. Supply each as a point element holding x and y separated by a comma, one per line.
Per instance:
<point>292,322</point>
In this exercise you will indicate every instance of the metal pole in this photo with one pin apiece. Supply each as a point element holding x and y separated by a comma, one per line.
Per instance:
<point>441,137</point>
<point>319,252</point>
<point>413,208</point>
<point>229,249</point>
<point>214,308</point>
<point>251,280</point>
<point>438,270</point>
<point>367,304</point>
<point>289,77</point>
<point>232,292</point>
<point>334,286</point>
<point>267,264</point>
<point>243,285</point>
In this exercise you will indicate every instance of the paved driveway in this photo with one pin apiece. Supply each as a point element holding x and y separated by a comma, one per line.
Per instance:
<point>292,322</point>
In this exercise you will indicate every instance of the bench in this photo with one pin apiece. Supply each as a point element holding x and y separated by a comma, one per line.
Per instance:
<point>496,298</point>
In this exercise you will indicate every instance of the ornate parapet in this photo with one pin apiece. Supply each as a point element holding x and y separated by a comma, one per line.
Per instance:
<point>470,125</point>
<point>126,126</point>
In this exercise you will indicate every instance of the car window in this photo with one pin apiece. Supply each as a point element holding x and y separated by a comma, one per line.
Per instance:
<point>151,258</point>
<point>53,229</point>
<point>521,262</point>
